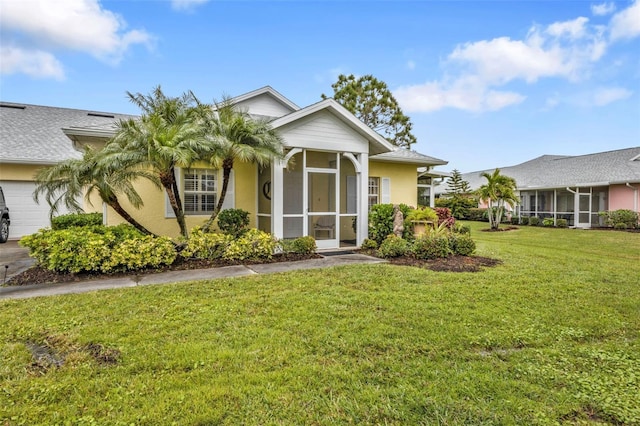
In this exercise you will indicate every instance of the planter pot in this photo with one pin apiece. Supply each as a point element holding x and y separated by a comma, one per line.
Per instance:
<point>420,227</point>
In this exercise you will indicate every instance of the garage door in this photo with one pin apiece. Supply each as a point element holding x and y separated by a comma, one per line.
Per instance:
<point>26,216</point>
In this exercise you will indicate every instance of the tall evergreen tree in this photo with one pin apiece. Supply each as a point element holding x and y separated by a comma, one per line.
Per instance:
<point>372,102</point>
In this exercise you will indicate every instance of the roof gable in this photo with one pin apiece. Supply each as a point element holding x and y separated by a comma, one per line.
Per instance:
<point>377,144</point>
<point>265,102</point>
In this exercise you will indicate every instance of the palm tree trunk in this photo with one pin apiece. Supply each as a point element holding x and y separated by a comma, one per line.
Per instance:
<point>115,205</point>
<point>168,181</point>
<point>227,165</point>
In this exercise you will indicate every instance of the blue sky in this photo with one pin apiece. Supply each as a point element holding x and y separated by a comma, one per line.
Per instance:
<point>485,83</point>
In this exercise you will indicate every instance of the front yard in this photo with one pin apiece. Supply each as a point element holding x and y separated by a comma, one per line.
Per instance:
<point>551,335</point>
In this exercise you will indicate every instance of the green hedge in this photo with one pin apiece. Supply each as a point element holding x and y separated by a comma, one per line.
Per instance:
<point>72,220</point>
<point>98,249</point>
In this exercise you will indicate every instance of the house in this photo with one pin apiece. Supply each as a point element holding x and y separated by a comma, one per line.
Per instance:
<point>575,188</point>
<point>335,168</point>
<point>31,137</point>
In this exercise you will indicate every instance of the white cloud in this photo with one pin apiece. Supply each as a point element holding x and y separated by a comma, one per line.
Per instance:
<point>186,5</point>
<point>626,23</point>
<point>34,63</point>
<point>603,9</point>
<point>79,25</point>
<point>478,69</point>
<point>465,94</point>
<point>574,29</point>
<point>605,96</point>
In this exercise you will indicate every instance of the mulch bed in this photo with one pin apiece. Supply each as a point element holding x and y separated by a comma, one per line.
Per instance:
<point>450,264</point>
<point>39,275</point>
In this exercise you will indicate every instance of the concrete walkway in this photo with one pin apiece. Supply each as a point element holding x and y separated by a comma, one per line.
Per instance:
<point>36,290</point>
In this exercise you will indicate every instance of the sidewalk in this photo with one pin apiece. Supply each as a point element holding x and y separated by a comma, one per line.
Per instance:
<point>37,290</point>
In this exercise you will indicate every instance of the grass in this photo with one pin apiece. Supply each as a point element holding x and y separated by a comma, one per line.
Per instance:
<point>551,336</point>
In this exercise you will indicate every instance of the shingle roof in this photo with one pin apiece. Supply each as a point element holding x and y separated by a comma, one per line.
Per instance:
<point>555,171</point>
<point>32,134</point>
<point>406,156</point>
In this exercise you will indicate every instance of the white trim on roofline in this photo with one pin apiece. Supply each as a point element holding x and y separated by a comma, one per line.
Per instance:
<point>265,90</point>
<point>341,112</point>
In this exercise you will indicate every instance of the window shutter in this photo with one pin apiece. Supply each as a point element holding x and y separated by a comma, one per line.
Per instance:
<point>230,198</point>
<point>168,211</point>
<point>385,190</point>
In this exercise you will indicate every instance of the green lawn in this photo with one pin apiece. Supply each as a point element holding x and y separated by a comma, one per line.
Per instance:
<point>550,336</point>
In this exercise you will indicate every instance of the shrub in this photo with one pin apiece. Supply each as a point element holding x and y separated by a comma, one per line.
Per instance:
<point>381,222</point>
<point>97,249</point>
<point>206,245</point>
<point>303,245</point>
<point>534,221</point>
<point>628,217</point>
<point>369,244</point>
<point>524,220</point>
<point>444,216</point>
<point>140,253</point>
<point>547,221</point>
<point>459,228</point>
<point>562,223</point>
<point>462,244</point>
<point>76,220</point>
<point>620,226</point>
<point>233,221</point>
<point>424,214</point>
<point>252,245</point>
<point>515,220</point>
<point>431,247</point>
<point>393,246</point>
<point>478,215</point>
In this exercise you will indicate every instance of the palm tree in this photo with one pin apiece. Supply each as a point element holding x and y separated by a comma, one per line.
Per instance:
<point>496,193</point>
<point>166,136</point>
<point>67,182</point>
<point>233,135</point>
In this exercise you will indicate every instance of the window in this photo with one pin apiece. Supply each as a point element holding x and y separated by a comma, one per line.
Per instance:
<point>374,191</point>
<point>200,191</point>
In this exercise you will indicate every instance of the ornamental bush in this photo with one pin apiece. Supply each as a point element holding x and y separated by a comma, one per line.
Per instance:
<point>478,214</point>
<point>393,246</point>
<point>233,221</point>
<point>562,223</point>
<point>534,221</point>
<point>459,228</point>
<point>431,246</point>
<point>524,220</point>
<point>302,245</point>
<point>462,244</point>
<point>98,249</point>
<point>252,245</point>
<point>628,217</point>
<point>445,216</point>
<point>547,221</point>
<point>369,244</point>
<point>76,219</point>
<point>381,222</point>
<point>206,245</point>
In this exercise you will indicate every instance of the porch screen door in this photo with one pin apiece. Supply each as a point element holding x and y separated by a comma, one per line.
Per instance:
<point>584,210</point>
<point>322,211</point>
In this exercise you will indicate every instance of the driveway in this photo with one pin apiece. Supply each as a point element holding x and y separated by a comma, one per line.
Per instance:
<point>13,260</point>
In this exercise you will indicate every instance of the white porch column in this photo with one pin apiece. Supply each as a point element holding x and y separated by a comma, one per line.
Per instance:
<point>363,196</point>
<point>277,197</point>
<point>432,194</point>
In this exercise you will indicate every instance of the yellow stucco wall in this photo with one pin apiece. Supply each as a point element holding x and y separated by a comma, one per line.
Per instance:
<point>153,214</point>
<point>18,172</point>
<point>404,180</point>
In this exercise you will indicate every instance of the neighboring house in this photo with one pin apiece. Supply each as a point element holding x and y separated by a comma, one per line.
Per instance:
<point>575,188</point>
<point>335,168</point>
<point>31,137</point>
